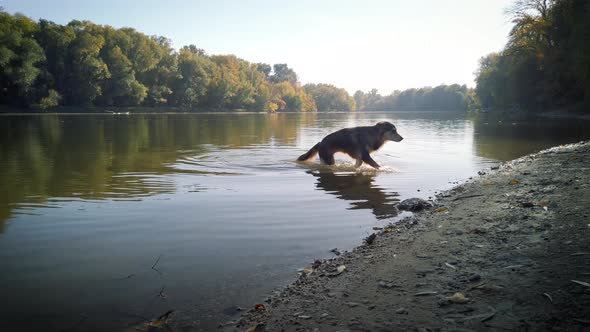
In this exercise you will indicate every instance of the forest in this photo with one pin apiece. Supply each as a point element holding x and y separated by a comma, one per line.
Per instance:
<point>45,65</point>
<point>546,63</point>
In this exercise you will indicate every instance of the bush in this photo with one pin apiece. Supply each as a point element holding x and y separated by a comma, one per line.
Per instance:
<point>52,100</point>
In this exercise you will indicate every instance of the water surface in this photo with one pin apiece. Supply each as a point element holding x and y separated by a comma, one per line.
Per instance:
<point>108,220</point>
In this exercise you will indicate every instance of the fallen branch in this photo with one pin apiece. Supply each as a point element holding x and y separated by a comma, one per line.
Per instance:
<point>451,266</point>
<point>513,267</point>
<point>156,263</point>
<point>481,284</point>
<point>469,196</point>
<point>548,296</point>
<point>426,293</point>
<point>483,317</point>
<point>581,283</point>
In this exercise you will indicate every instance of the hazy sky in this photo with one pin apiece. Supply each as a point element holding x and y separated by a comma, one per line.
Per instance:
<point>357,45</point>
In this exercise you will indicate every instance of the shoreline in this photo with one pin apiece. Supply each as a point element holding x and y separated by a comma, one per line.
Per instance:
<point>507,250</point>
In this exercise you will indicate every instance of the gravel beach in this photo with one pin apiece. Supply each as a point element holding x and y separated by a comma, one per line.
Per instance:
<point>508,250</point>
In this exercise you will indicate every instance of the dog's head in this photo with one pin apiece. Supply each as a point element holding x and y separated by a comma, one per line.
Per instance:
<point>388,131</point>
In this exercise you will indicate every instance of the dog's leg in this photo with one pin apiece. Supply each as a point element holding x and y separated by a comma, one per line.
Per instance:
<point>326,156</point>
<point>367,158</point>
<point>359,162</point>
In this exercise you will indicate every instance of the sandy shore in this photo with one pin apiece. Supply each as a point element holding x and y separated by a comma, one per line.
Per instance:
<point>509,250</point>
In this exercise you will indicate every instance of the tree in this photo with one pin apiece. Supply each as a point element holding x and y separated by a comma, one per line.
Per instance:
<point>196,72</point>
<point>87,69</point>
<point>545,63</point>
<point>20,57</point>
<point>55,40</point>
<point>265,69</point>
<point>329,98</point>
<point>282,73</point>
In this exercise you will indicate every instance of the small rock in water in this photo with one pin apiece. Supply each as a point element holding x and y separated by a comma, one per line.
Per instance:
<point>369,239</point>
<point>474,277</point>
<point>335,251</point>
<point>414,204</point>
<point>233,310</point>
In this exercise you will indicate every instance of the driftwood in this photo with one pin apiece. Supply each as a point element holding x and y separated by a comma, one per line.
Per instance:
<point>156,263</point>
<point>469,196</point>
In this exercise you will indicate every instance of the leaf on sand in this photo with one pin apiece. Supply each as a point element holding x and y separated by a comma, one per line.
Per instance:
<point>458,298</point>
<point>441,209</point>
<point>259,307</point>
<point>543,203</point>
<point>487,184</point>
<point>513,182</point>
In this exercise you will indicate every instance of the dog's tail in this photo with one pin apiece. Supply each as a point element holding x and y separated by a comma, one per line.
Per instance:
<point>309,154</point>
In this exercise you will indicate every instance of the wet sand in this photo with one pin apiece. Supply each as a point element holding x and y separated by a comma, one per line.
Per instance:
<point>508,250</point>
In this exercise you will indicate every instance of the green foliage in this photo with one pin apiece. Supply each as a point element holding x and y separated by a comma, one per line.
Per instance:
<point>265,69</point>
<point>85,64</point>
<point>291,97</point>
<point>546,62</point>
<point>20,55</point>
<point>329,98</point>
<point>195,72</point>
<point>52,100</point>
<point>282,73</point>
<point>441,98</point>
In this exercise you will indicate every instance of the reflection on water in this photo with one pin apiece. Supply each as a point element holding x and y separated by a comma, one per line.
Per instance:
<point>360,188</point>
<point>117,157</point>
<point>88,200</point>
<point>506,139</point>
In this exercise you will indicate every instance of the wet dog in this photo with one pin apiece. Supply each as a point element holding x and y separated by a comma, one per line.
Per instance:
<point>357,142</point>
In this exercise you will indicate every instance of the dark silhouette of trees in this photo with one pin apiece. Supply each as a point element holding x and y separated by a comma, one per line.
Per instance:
<point>546,62</point>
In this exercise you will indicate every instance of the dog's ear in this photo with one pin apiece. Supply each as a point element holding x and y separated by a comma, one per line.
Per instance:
<point>385,126</point>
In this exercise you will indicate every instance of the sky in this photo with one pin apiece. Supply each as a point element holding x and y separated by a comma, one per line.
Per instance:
<point>357,45</point>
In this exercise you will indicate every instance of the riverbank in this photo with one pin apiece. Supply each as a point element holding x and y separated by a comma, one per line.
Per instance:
<point>115,110</point>
<point>509,250</point>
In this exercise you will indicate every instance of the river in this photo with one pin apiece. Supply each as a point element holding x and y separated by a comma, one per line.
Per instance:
<point>107,220</point>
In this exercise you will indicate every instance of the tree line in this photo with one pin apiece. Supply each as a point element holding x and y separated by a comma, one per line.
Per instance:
<point>43,64</point>
<point>82,64</point>
<point>546,62</point>
<point>453,97</point>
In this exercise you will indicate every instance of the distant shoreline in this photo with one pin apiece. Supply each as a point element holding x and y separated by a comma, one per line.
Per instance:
<point>176,110</point>
<point>553,114</point>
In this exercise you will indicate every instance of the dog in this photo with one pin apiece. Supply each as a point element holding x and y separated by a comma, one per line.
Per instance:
<point>357,142</point>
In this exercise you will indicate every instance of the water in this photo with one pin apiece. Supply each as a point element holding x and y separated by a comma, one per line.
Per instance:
<point>109,220</point>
